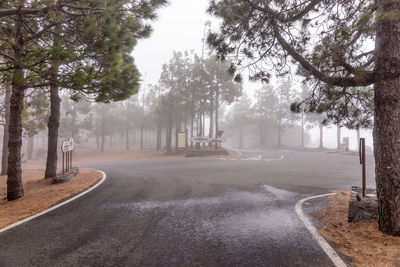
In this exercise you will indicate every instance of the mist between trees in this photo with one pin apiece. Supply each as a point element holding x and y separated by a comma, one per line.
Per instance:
<point>193,95</point>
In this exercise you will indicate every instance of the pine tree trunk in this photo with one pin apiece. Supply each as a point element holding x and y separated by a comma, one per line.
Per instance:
<point>217,115</point>
<point>53,126</point>
<point>159,137</point>
<point>358,138</point>
<point>6,131</point>
<point>102,134</point>
<point>169,134</point>
<point>97,134</point>
<point>141,136</point>
<point>30,147</point>
<point>280,132</point>
<point>338,136</point>
<point>240,136</point>
<point>302,130</point>
<point>387,117</point>
<point>74,126</point>
<point>321,136</point>
<point>211,128</point>
<point>14,171</point>
<point>127,128</point>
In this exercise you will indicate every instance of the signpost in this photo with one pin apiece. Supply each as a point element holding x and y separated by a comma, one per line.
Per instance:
<point>182,140</point>
<point>346,140</point>
<point>362,162</point>
<point>67,147</point>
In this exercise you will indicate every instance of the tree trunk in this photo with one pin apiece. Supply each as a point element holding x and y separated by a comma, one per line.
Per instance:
<point>53,126</point>
<point>97,134</point>
<point>30,147</point>
<point>358,138</point>
<point>169,134</point>
<point>6,129</point>
<point>240,136</point>
<point>127,127</point>
<point>102,133</point>
<point>14,171</point>
<point>387,117</point>
<point>74,126</point>
<point>141,136</point>
<point>216,118</point>
<point>177,130</point>
<point>280,132</point>
<point>321,136</point>
<point>338,136</point>
<point>159,137</point>
<point>262,134</point>
<point>211,129</point>
<point>302,130</point>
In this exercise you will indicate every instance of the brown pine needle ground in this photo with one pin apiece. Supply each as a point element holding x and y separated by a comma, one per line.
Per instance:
<point>40,194</point>
<point>360,241</point>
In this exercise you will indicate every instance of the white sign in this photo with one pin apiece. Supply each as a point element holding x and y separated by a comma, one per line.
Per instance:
<point>199,139</point>
<point>181,140</point>
<point>67,145</point>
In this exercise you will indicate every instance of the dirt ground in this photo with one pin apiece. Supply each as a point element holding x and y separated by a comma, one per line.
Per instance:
<point>362,242</point>
<point>121,154</point>
<point>40,194</point>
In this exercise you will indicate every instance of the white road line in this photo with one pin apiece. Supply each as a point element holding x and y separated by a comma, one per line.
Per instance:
<point>269,160</point>
<point>337,261</point>
<point>58,205</point>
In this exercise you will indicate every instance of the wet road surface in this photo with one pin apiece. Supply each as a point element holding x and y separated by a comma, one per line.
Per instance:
<point>188,212</point>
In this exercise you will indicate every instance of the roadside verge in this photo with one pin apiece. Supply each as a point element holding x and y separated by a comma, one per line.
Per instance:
<point>41,196</point>
<point>362,242</point>
<point>337,261</point>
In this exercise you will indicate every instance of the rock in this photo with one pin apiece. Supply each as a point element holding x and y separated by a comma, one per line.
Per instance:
<point>205,152</point>
<point>362,208</point>
<point>62,178</point>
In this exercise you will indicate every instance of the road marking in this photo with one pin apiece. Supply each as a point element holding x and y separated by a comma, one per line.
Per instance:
<point>337,261</point>
<point>58,205</point>
<point>270,160</point>
<point>257,158</point>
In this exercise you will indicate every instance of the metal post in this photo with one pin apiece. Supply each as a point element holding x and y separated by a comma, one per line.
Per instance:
<point>363,163</point>
<point>68,161</point>
<point>63,163</point>
<point>71,159</point>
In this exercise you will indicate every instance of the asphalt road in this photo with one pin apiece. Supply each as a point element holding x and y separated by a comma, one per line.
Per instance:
<point>188,212</point>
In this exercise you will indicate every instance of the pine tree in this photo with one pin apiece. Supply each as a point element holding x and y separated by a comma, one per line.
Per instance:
<point>330,50</point>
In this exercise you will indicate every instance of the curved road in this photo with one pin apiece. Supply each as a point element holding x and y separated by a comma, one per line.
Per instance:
<point>188,212</point>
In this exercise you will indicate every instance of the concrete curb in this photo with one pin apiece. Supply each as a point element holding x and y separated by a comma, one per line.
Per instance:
<point>335,258</point>
<point>58,205</point>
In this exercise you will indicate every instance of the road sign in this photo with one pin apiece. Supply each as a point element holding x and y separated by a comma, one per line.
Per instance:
<point>182,140</point>
<point>346,140</point>
<point>67,145</point>
<point>200,139</point>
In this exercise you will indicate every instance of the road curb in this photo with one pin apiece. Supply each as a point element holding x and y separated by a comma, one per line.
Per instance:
<point>335,258</point>
<point>59,204</point>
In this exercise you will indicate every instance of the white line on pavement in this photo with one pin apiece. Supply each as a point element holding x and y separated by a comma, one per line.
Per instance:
<point>321,241</point>
<point>56,206</point>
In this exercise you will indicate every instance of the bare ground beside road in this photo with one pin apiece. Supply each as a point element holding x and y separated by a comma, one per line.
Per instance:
<point>40,194</point>
<point>362,242</point>
<point>118,154</point>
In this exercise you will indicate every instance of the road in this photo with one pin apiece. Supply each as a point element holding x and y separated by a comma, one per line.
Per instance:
<point>188,212</point>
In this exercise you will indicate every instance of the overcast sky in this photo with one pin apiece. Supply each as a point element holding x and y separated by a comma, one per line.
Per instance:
<point>179,27</point>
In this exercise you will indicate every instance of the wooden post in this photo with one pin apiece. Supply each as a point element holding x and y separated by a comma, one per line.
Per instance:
<point>363,163</point>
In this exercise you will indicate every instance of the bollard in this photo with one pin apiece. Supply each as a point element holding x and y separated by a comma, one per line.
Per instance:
<point>362,162</point>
